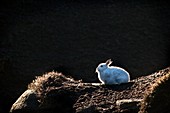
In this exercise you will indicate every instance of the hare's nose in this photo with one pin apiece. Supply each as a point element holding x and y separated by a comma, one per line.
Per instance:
<point>96,71</point>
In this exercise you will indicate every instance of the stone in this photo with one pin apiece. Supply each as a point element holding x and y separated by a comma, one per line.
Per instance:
<point>128,104</point>
<point>54,92</point>
<point>26,101</point>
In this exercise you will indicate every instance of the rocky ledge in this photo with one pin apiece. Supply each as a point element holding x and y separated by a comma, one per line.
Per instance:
<point>53,92</point>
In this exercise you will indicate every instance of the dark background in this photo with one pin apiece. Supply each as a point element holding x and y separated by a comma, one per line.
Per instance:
<point>74,36</point>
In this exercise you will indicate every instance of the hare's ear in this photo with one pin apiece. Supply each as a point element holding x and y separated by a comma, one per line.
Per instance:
<point>108,62</point>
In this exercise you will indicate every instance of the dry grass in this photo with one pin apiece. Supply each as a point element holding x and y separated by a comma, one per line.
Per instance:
<point>43,84</point>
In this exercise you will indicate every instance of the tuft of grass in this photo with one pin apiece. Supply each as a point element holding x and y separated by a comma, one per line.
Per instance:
<point>47,82</point>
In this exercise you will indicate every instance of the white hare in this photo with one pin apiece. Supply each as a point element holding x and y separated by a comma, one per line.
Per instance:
<point>111,74</point>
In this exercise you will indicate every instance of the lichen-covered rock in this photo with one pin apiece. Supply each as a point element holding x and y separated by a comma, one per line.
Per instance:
<point>157,98</point>
<point>49,92</point>
<point>104,99</point>
<point>53,92</point>
<point>128,104</point>
<point>27,101</point>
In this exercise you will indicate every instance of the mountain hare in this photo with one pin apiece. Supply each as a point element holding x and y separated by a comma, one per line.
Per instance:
<point>111,74</point>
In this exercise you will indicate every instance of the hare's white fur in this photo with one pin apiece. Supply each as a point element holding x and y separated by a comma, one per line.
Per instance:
<point>111,74</point>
